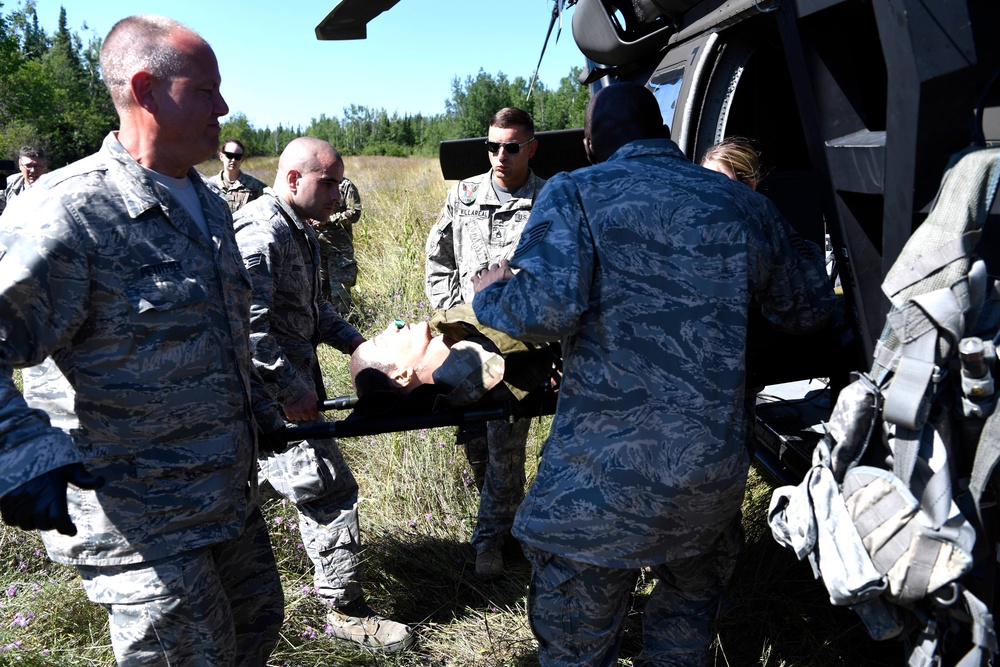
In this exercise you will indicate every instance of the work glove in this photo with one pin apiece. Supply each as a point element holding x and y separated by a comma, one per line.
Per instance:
<point>40,503</point>
<point>271,442</point>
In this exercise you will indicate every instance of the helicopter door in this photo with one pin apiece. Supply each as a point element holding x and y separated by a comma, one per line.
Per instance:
<point>678,83</point>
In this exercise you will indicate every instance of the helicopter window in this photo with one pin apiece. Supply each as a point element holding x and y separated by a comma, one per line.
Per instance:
<point>666,86</point>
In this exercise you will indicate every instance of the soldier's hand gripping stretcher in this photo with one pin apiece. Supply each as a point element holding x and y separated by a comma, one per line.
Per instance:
<point>407,378</point>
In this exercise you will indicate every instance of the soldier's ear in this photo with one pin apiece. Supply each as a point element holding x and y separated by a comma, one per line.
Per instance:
<point>142,84</point>
<point>588,148</point>
<point>405,377</point>
<point>292,180</point>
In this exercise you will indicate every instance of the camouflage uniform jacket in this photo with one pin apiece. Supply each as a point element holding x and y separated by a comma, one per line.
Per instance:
<point>336,233</point>
<point>15,185</point>
<point>483,359</point>
<point>240,192</point>
<point>288,319</point>
<point>645,266</point>
<point>147,318</point>
<point>473,231</point>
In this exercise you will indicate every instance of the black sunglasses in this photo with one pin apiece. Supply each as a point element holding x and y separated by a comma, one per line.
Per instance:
<point>233,156</point>
<point>512,147</point>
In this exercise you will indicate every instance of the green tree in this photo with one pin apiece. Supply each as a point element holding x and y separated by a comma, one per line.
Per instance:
<point>563,107</point>
<point>238,126</point>
<point>50,91</point>
<point>475,100</point>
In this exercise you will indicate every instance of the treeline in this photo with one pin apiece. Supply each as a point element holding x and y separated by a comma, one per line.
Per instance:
<point>51,95</point>
<point>365,131</point>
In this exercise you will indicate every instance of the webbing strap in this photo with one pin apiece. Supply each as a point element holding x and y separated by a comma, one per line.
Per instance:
<point>918,574</point>
<point>919,325</point>
<point>925,649</point>
<point>931,262</point>
<point>984,638</point>
<point>906,401</point>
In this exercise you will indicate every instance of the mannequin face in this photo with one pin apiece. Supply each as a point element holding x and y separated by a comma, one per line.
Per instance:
<point>411,353</point>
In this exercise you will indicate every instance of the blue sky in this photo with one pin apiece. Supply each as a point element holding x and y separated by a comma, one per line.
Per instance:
<point>274,69</point>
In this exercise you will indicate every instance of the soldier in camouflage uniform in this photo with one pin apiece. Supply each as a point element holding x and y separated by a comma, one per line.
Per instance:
<point>126,273</point>
<point>237,188</point>
<point>31,165</point>
<point>338,270</point>
<point>480,224</point>
<point>645,266</point>
<point>288,321</point>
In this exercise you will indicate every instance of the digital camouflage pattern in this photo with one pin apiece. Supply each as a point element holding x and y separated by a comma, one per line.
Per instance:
<point>240,192</point>
<point>14,186</point>
<point>104,272</point>
<point>575,609</point>
<point>338,271</point>
<point>223,605</point>
<point>473,231</point>
<point>477,367</point>
<point>288,321</point>
<point>645,267</point>
<point>46,388</point>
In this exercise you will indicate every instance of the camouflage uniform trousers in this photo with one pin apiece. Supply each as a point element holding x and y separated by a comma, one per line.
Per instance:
<point>496,451</point>
<point>314,476</point>
<point>338,270</point>
<point>576,609</point>
<point>221,605</point>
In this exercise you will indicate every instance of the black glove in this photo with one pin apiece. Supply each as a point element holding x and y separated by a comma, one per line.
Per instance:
<point>272,442</point>
<point>40,503</point>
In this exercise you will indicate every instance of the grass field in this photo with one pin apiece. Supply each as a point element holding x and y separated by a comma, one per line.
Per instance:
<point>418,508</point>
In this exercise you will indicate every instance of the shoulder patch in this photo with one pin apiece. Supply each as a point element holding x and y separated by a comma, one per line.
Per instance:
<point>253,260</point>
<point>531,237</point>
<point>467,191</point>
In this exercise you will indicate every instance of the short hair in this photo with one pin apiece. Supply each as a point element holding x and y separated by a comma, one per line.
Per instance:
<point>510,117</point>
<point>32,152</point>
<point>139,43</point>
<point>238,143</point>
<point>621,113</point>
<point>360,367</point>
<point>373,380</point>
<point>741,156</point>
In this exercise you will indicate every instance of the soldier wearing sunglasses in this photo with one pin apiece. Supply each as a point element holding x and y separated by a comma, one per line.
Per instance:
<point>481,224</point>
<point>237,188</point>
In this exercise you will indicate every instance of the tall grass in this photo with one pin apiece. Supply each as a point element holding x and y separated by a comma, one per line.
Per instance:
<point>418,507</point>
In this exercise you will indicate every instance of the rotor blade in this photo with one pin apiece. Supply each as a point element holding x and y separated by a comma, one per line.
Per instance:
<point>555,14</point>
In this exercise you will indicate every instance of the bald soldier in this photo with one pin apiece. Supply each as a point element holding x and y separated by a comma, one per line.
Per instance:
<point>289,318</point>
<point>124,270</point>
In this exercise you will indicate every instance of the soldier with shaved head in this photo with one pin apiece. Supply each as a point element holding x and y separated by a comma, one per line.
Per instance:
<point>645,266</point>
<point>289,319</point>
<point>123,270</point>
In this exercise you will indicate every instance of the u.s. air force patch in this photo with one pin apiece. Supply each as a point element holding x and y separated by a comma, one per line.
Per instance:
<point>253,260</point>
<point>467,191</point>
<point>532,236</point>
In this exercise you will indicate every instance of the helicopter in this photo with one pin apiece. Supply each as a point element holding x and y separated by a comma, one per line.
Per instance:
<point>858,105</point>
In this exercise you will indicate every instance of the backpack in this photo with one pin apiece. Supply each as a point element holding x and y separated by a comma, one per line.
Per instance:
<point>890,515</point>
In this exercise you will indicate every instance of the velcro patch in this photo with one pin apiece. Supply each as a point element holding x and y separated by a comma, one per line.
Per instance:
<point>531,237</point>
<point>160,269</point>
<point>467,191</point>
